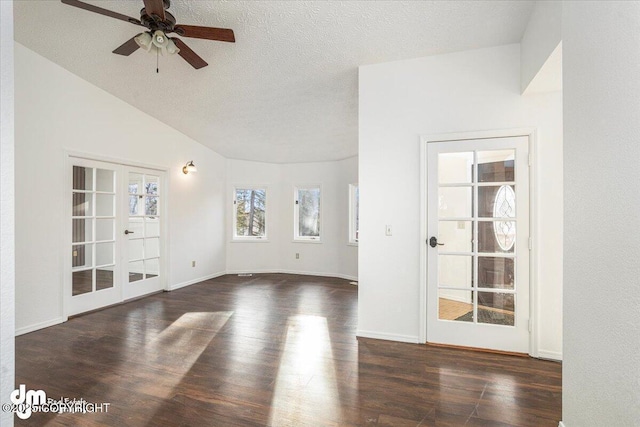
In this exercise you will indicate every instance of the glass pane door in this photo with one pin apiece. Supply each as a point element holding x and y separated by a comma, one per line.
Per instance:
<point>92,247</point>
<point>143,232</point>
<point>478,256</point>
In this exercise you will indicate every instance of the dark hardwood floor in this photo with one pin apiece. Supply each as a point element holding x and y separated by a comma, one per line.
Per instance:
<point>271,350</point>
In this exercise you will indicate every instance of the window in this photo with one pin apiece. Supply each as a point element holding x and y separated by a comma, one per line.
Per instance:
<point>354,213</point>
<point>307,213</point>
<point>249,213</point>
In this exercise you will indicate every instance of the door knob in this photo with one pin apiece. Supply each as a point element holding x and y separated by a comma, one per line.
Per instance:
<point>433,242</point>
<point>128,232</point>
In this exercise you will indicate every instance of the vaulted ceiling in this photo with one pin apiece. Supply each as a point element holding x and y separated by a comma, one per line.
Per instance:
<point>287,90</point>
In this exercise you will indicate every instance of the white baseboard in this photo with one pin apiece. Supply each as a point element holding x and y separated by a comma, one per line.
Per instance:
<point>388,337</point>
<point>551,355</point>
<point>561,424</point>
<point>41,325</point>
<point>194,281</point>
<point>302,273</point>
<point>263,271</point>
<point>311,273</point>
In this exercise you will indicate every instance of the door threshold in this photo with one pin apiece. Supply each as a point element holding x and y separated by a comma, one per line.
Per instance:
<point>478,349</point>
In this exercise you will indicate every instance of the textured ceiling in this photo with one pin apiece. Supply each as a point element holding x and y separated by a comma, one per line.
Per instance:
<point>287,90</point>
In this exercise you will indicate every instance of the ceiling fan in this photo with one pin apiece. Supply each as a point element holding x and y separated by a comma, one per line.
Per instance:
<point>158,22</point>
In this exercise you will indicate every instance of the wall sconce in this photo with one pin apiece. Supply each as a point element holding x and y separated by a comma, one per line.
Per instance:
<point>189,167</point>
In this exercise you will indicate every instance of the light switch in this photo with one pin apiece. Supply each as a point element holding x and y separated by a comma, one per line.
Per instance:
<point>387,230</point>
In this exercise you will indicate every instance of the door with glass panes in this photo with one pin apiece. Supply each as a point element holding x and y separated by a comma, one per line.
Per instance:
<point>478,243</point>
<point>143,247</point>
<point>116,237</point>
<point>94,277</point>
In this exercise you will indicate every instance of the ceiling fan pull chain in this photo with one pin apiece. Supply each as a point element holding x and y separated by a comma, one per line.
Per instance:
<point>157,62</point>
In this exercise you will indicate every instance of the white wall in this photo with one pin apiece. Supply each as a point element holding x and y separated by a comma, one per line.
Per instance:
<point>7,202</point>
<point>58,111</point>
<point>332,257</point>
<point>460,92</point>
<point>541,37</point>
<point>601,369</point>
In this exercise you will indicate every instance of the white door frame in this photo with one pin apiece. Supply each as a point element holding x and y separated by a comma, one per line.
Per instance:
<point>534,305</point>
<point>69,155</point>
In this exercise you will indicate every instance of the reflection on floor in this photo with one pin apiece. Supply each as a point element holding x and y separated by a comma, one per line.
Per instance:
<point>277,350</point>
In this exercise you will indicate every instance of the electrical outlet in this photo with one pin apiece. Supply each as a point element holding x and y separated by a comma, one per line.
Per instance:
<point>297,255</point>
<point>193,263</point>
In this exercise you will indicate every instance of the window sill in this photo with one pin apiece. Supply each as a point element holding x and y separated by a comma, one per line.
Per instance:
<point>250,241</point>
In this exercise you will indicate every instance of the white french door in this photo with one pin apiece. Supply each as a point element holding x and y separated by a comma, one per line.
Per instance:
<point>94,276</point>
<point>478,243</point>
<point>116,239</point>
<point>143,232</point>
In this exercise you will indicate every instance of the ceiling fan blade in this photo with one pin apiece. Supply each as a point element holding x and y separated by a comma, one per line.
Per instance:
<point>208,33</point>
<point>190,56</point>
<point>154,7</point>
<point>127,48</point>
<point>101,11</point>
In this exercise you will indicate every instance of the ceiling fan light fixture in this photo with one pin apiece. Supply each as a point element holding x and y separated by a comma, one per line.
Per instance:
<point>172,48</point>
<point>160,40</point>
<point>144,41</point>
<point>158,22</point>
<point>157,41</point>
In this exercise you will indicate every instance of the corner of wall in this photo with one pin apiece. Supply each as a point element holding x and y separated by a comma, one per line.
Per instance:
<point>540,39</point>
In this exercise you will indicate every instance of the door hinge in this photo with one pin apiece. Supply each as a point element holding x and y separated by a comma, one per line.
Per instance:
<point>530,160</point>
<point>530,243</point>
<point>530,325</point>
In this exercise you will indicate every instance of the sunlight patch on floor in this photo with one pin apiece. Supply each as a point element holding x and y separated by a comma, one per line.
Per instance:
<point>306,388</point>
<point>185,339</point>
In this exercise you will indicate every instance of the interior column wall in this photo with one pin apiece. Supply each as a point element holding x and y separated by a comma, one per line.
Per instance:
<point>7,206</point>
<point>601,369</point>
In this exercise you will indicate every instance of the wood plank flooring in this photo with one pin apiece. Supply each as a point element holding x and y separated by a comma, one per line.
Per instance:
<point>276,350</point>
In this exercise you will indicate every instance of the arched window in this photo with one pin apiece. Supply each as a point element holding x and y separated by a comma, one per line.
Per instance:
<point>505,207</point>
